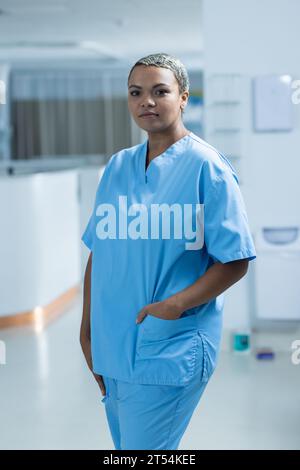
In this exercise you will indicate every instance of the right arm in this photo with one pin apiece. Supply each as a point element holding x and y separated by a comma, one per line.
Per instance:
<point>85,328</point>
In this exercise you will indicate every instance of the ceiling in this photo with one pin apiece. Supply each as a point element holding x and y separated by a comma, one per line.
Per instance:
<point>115,31</point>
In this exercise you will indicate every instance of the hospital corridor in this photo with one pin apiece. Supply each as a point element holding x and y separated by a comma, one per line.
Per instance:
<point>150,225</point>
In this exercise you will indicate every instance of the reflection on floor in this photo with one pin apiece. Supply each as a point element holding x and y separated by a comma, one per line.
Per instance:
<point>49,399</point>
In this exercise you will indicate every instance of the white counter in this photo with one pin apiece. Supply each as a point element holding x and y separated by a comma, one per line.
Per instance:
<point>40,247</point>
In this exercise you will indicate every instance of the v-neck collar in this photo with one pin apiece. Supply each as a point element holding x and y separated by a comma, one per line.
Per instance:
<point>143,154</point>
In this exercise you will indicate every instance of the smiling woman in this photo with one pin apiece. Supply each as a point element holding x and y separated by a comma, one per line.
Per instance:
<point>152,317</point>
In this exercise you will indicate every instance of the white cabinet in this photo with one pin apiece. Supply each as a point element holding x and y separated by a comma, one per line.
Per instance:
<point>277,273</point>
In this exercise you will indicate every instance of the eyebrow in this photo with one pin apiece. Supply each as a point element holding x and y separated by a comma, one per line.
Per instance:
<point>158,84</point>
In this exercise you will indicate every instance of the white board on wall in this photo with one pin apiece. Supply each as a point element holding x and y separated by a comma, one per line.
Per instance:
<point>272,103</point>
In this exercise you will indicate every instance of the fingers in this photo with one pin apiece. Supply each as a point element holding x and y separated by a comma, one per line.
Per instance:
<point>100,382</point>
<point>140,317</point>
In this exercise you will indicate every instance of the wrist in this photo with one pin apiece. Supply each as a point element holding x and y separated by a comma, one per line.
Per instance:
<point>175,303</point>
<point>85,334</point>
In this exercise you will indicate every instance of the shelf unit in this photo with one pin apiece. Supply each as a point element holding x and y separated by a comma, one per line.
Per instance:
<point>225,120</point>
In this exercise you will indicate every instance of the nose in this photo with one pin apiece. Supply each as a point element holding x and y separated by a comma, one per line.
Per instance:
<point>147,101</point>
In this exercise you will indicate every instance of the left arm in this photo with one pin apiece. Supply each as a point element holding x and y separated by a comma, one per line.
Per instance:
<point>218,278</point>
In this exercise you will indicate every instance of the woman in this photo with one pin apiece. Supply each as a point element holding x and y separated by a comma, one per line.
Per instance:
<point>168,235</point>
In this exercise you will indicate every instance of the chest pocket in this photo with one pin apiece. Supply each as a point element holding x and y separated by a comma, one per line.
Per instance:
<point>170,352</point>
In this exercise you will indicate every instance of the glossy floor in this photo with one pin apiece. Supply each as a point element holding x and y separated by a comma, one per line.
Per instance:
<point>49,399</point>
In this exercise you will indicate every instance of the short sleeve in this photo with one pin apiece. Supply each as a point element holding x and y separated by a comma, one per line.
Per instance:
<point>87,236</point>
<point>227,234</point>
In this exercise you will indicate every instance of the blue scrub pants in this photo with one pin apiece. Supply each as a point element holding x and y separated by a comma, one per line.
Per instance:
<point>150,417</point>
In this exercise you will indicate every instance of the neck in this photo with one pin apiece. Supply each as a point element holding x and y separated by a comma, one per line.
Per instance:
<point>158,142</point>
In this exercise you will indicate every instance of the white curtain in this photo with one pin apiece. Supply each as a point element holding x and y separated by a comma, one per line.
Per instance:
<point>69,112</point>
<point>4,112</point>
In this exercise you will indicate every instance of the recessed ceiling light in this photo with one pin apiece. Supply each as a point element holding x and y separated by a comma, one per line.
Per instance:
<point>38,8</point>
<point>120,22</point>
<point>39,44</point>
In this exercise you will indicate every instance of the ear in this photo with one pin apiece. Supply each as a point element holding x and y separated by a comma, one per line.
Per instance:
<point>184,99</point>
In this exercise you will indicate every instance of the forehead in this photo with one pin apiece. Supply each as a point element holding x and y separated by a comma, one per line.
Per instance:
<point>146,75</point>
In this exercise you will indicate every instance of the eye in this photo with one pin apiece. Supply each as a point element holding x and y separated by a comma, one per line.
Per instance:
<point>159,92</point>
<point>132,92</point>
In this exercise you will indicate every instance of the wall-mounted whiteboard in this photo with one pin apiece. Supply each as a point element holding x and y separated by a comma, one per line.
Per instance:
<point>272,103</point>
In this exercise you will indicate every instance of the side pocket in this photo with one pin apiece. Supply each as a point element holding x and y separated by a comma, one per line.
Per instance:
<point>210,354</point>
<point>167,351</point>
<point>204,371</point>
<point>106,389</point>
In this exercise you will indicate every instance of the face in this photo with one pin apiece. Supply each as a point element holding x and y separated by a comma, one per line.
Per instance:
<point>155,90</point>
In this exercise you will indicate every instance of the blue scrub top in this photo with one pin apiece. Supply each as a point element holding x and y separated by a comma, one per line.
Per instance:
<point>131,270</point>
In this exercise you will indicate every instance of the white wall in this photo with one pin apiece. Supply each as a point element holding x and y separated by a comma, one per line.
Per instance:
<point>254,37</point>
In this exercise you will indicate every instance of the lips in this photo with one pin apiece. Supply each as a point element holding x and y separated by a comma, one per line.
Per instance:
<point>148,114</point>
